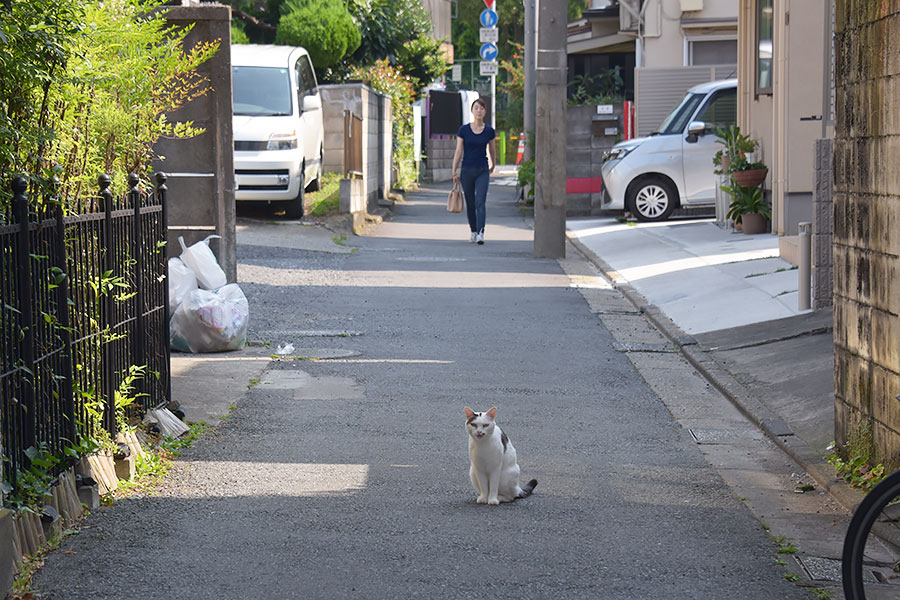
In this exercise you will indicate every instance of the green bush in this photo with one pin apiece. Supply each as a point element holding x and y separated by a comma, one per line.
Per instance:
<point>88,91</point>
<point>324,28</point>
<point>388,80</point>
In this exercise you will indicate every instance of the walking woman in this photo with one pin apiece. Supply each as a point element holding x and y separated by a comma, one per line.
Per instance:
<point>472,143</point>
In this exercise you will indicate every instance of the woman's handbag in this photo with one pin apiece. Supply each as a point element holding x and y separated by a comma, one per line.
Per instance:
<point>455,200</point>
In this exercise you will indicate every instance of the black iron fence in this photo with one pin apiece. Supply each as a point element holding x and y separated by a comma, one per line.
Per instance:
<point>84,330</point>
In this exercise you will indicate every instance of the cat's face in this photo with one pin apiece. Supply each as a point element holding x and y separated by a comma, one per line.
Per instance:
<point>480,425</point>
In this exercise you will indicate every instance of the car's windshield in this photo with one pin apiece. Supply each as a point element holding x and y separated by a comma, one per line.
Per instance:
<point>261,91</point>
<point>678,118</point>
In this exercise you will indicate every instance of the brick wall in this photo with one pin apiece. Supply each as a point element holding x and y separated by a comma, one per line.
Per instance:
<point>866,220</point>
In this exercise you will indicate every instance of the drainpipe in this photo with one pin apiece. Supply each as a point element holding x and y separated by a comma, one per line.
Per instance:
<point>803,276</point>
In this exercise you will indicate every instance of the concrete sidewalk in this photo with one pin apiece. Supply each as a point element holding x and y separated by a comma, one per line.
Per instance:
<point>730,304</point>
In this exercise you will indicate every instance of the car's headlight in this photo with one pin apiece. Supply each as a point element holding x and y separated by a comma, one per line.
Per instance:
<point>617,153</point>
<point>282,141</point>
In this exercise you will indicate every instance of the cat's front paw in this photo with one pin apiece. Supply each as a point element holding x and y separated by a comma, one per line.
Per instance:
<point>482,500</point>
<point>493,501</point>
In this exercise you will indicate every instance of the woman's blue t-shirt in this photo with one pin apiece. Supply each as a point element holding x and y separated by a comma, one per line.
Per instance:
<point>475,146</point>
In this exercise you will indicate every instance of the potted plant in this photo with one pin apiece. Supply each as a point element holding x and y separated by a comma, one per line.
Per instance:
<point>748,207</point>
<point>736,147</point>
<point>737,157</point>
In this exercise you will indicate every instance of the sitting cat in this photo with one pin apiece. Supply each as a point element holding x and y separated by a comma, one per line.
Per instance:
<point>494,470</point>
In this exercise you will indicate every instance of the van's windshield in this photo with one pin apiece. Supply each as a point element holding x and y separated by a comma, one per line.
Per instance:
<point>261,91</point>
<point>678,118</point>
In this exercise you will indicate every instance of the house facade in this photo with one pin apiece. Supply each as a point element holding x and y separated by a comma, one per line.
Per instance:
<point>663,46</point>
<point>785,99</point>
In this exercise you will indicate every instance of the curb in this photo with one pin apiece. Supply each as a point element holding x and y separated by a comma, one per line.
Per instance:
<point>755,411</point>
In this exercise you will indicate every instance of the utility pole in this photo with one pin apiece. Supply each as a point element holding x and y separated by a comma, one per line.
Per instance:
<point>550,132</point>
<point>530,52</point>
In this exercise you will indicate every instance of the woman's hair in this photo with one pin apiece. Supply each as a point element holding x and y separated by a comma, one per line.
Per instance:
<point>481,102</point>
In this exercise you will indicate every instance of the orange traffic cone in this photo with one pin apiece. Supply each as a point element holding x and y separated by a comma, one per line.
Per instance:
<point>520,153</point>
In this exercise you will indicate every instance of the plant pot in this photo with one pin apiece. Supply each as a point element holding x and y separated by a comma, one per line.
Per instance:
<point>753,223</point>
<point>751,177</point>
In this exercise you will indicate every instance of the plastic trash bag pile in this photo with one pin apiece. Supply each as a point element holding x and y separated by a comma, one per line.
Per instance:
<point>208,313</point>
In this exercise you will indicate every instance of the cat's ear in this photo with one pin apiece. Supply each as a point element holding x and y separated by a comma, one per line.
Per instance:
<point>469,413</point>
<point>492,413</point>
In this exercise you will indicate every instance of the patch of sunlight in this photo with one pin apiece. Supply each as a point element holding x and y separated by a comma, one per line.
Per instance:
<point>237,479</point>
<point>399,279</point>
<point>694,262</point>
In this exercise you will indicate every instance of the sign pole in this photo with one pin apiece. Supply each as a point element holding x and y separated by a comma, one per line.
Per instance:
<point>488,35</point>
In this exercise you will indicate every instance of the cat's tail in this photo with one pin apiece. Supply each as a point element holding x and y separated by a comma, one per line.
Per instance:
<point>526,489</point>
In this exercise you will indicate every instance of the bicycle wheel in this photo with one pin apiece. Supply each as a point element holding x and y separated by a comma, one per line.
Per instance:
<point>871,558</point>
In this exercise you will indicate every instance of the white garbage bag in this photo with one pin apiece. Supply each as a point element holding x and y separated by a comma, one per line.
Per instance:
<point>210,321</point>
<point>182,281</point>
<point>201,260</point>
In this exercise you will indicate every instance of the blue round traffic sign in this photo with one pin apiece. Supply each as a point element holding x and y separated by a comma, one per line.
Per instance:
<point>488,18</point>
<point>488,51</point>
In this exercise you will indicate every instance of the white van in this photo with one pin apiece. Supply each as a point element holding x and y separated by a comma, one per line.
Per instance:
<point>672,167</point>
<point>278,128</point>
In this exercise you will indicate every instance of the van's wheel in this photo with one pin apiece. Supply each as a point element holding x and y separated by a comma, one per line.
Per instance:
<point>652,199</point>
<point>293,209</point>
<point>316,184</point>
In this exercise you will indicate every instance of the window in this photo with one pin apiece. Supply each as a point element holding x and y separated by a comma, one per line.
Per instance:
<point>261,91</point>
<point>306,79</point>
<point>712,52</point>
<point>764,23</point>
<point>678,119</point>
<point>721,111</point>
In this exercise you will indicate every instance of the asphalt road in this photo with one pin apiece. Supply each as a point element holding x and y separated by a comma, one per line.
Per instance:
<point>348,478</point>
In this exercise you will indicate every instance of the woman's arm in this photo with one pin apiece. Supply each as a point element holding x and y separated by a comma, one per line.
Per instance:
<point>457,156</point>
<point>492,150</point>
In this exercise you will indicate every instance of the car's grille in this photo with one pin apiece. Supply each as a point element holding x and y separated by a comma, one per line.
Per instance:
<point>261,172</point>
<point>240,145</point>
<point>263,188</point>
<point>262,180</point>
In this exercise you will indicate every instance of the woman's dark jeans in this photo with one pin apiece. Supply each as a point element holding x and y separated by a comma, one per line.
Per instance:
<point>475,186</point>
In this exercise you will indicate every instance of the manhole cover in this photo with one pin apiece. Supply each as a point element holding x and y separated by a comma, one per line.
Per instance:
<point>430,259</point>
<point>318,333</point>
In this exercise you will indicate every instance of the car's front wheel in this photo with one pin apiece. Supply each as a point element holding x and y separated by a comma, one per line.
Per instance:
<point>316,184</point>
<point>652,199</point>
<point>293,209</point>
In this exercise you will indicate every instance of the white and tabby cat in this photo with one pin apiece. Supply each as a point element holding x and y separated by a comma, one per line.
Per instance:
<point>494,470</point>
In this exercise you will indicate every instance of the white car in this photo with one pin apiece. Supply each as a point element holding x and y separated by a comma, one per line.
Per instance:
<point>279,132</point>
<point>671,168</point>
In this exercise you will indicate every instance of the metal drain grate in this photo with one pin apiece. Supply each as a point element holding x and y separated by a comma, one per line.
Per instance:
<point>643,347</point>
<point>718,436</point>
<point>824,569</point>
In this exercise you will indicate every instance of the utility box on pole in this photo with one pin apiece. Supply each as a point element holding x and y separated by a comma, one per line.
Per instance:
<point>550,130</point>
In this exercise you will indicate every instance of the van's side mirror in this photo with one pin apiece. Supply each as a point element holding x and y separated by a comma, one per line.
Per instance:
<point>695,130</point>
<point>311,102</point>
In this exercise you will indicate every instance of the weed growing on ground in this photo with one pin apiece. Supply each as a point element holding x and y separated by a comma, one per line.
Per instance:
<point>820,594</point>
<point>853,462</point>
<point>152,467</point>
<point>32,564</point>
<point>327,200</point>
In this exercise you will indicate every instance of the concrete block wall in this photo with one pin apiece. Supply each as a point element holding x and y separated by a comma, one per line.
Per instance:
<point>866,219</point>
<point>439,158</point>
<point>585,144</point>
<point>374,109</point>
<point>823,225</point>
<point>200,205</point>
